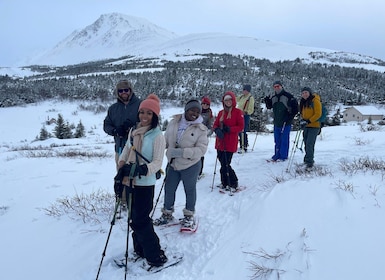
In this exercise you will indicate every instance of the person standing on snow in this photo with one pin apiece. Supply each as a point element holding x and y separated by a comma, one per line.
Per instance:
<point>285,107</point>
<point>208,120</point>
<point>147,139</point>
<point>227,125</point>
<point>121,116</point>
<point>311,110</point>
<point>186,143</point>
<point>245,102</point>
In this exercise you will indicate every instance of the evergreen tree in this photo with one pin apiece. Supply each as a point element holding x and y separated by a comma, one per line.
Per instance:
<point>44,134</point>
<point>60,127</point>
<point>80,131</point>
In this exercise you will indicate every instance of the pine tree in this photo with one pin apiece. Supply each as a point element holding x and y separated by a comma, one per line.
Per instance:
<point>80,131</point>
<point>44,134</point>
<point>60,127</point>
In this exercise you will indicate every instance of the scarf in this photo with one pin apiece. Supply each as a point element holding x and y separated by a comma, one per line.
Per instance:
<point>184,124</point>
<point>137,135</point>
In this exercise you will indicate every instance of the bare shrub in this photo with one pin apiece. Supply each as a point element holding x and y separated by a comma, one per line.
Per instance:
<point>362,164</point>
<point>94,208</point>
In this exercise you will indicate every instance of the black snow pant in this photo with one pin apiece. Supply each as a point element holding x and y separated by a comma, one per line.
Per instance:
<point>145,240</point>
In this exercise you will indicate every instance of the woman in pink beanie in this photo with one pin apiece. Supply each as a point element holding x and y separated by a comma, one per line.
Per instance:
<point>141,158</point>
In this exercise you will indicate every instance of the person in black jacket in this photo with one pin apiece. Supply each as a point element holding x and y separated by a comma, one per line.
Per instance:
<point>121,116</point>
<point>285,107</point>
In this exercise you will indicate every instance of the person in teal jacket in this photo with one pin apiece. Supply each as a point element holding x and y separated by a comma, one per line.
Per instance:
<point>147,139</point>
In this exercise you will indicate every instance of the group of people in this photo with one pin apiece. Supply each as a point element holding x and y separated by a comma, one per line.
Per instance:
<point>140,146</point>
<point>285,107</point>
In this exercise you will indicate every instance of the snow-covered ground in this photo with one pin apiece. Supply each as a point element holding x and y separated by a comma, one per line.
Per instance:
<point>327,224</point>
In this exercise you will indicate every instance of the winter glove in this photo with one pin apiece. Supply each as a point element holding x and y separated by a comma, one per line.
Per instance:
<point>219,133</point>
<point>303,123</point>
<point>142,170</point>
<point>128,124</point>
<point>226,129</point>
<point>121,131</point>
<point>175,152</point>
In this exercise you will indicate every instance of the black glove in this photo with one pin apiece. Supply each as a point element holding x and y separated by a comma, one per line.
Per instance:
<point>303,123</point>
<point>219,133</point>
<point>121,131</point>
<point>226,129</point>
<point>142,170</point>
<point>118,189</point>
<point>128,124</point>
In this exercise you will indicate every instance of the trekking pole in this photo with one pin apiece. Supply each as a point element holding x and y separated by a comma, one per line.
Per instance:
<point>109,234</point>
<point>255,140</point>
<point>293,149</point>
<point>161,188</point>
<point>129,204</point>
<point>215,172</point>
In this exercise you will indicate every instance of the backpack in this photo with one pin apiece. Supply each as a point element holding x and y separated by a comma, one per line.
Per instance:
<point>324,113</point>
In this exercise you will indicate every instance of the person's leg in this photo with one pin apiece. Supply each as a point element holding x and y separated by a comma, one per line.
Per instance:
<point>311,137</point>
<point>285,140</point>
<point>189,178</point>
<point>145,240</point>
<point>170,186</point>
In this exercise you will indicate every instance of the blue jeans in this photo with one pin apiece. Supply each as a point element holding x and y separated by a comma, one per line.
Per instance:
<point>189,177</point>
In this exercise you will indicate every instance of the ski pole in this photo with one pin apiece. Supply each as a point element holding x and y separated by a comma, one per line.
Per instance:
<point>109,234</point>
<point>161,189</point>
<point>129,204</point>
<point>293,149</point>
<point>215,172</point>
<point>255,140</point>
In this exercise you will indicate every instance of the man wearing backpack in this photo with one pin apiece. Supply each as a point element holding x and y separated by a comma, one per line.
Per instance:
<point>311,112</point>
<point>285,107</point>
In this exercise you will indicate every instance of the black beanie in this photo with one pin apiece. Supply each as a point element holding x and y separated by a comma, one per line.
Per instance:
<point>277,83</point>
<point>307,89</point>
<point>247,88</point>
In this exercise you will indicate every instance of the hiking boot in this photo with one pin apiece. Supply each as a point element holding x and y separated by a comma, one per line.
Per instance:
<point>159,261</point>
<point>188,221</point>
<point>164,219</point>
<point>221,186</point>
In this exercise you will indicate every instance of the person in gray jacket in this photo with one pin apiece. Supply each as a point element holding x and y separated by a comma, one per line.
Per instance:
<point>186,142</point>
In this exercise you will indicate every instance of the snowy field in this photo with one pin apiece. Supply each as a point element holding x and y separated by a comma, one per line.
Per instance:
<point>326,224</point>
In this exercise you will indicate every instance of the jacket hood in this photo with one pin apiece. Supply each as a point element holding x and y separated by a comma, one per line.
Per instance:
<point>234,99</point>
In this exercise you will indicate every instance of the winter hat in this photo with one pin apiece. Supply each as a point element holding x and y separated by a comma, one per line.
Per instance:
<point>247,88</point>
<point>123,84</point>
<point>193,103</point>
<point>277,83</point>
<point>206,100</point>
<point>152,103</point>
<point>307,89</point>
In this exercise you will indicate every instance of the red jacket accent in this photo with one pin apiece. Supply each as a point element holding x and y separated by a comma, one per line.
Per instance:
<point>236,123</point>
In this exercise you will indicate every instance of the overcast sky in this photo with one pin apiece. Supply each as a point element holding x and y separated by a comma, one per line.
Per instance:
<point>29,26</point>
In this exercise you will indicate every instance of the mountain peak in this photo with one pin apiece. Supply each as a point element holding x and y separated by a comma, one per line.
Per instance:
<point>112,35</point>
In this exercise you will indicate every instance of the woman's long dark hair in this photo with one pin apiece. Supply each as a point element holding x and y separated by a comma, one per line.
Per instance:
<point>306,102</point>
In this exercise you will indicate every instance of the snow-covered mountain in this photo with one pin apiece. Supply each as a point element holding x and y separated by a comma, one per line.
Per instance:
<point>115,35</point>
<point>110,36</point>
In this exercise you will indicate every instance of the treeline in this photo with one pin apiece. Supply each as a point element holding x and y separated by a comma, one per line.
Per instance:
<point>209,74</point>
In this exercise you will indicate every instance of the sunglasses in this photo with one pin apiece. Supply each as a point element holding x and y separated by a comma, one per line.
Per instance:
<point>123,90</point>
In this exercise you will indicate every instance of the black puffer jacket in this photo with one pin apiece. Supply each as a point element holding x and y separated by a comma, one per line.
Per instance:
<point>117,114</point>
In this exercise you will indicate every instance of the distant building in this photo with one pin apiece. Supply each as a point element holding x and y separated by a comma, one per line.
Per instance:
<point>360,113</point>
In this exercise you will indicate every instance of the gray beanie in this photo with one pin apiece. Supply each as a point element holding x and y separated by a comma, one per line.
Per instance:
<point>193,103</point>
